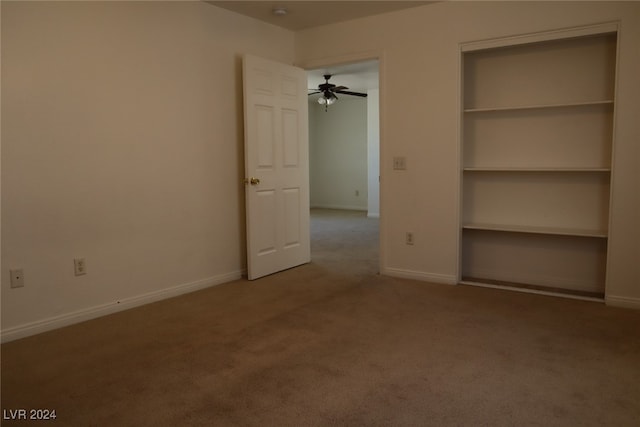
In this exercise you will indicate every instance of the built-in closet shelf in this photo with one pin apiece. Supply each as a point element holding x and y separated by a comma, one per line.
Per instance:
<point>537,128</point>
<point>557,231</point>
<point>499,169</point>
<point>538,106</point>
<point>535,289</point>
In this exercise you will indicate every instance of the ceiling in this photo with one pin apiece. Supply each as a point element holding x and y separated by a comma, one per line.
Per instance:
<point>358,77</point>
<point>307,14</point>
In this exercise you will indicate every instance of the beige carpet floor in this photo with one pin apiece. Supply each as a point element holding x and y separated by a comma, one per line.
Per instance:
<point>332,343</point>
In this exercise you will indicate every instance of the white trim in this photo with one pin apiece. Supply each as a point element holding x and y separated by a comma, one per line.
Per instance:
<point>602,28</point>
<point>373,215</point>
<point>625,302</point>
<point>613,161</point>
<point>460,165</point>
<point>78,316</point>
<point>446,279</point>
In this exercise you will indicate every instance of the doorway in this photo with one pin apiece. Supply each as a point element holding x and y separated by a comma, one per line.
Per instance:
<point>344,171</point>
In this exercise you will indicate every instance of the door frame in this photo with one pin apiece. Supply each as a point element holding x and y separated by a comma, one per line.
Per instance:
<point>379,55</point>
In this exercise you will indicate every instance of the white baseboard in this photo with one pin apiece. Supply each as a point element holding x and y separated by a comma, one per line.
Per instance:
<point>340,207</point>
<point>625,302</point>
<point>420,275</point>
<point>373,215</point>
<point>78,316</point>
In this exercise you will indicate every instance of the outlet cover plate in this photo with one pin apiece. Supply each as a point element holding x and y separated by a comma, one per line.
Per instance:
<point>17,278</point>
<point>79,267</point>
<point>409,238</point>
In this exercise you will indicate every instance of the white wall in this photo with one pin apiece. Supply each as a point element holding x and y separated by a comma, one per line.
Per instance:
<point>373,153</point>
<point>338,154</point>
<point>122,143</point>
<point>420,105</point>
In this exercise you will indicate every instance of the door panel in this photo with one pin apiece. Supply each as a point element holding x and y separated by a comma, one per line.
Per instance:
<point>265,137</point>
<point>290,132</point>
<point>292,217</point>
<point>265,237</point>
<point>276,157</point>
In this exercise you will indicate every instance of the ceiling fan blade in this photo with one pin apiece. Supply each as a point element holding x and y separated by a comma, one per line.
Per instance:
<point>363,95</point>
<point>313,93</point>
<point>339,88</point>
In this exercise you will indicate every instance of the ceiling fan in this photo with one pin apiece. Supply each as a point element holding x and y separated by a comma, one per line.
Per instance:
<point>329,90</point>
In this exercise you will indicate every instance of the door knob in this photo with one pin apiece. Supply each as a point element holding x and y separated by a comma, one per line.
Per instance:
<point>254,181</point>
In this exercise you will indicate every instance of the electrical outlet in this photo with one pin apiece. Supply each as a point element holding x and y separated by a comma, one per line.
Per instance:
<point>409,238</point>
<point>79,266</point>
<point>17,278</point>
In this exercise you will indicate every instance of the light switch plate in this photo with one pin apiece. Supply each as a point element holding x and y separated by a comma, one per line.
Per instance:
<point>399,163</point>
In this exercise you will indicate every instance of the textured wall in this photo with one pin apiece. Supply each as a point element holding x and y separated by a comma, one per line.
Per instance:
<point>122,143</point>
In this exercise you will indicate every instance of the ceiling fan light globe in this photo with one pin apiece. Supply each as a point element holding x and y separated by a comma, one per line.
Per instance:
<point>322,100</point>
<point>331,100</point>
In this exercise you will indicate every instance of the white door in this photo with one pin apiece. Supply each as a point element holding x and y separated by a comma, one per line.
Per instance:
<point>276,166</point>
